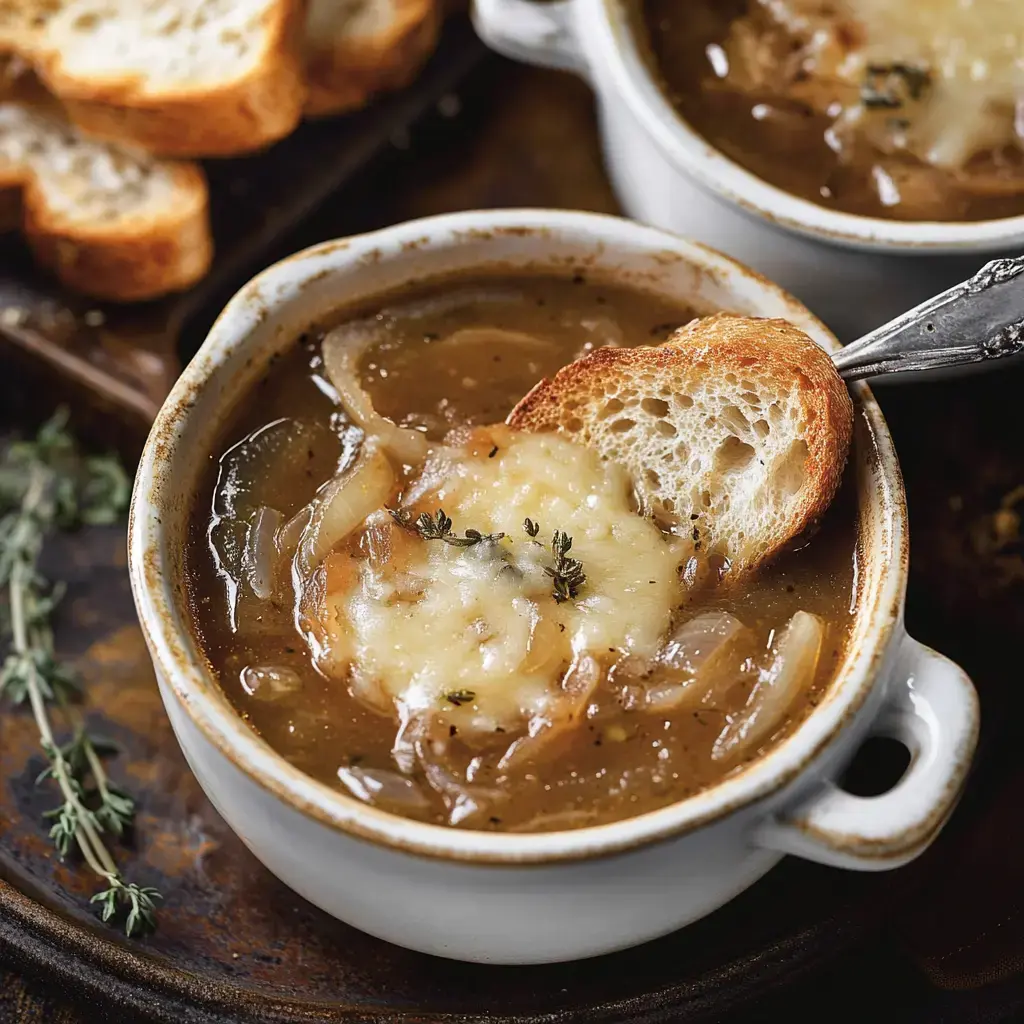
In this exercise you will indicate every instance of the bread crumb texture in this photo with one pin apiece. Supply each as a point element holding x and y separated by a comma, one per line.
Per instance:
<point>735,431</point>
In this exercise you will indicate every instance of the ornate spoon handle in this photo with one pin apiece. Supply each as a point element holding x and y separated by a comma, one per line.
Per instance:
<point>981,319</point>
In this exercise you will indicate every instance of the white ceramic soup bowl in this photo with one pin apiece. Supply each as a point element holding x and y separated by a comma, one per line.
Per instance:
<point>519,898</point>
<point>854,272</point>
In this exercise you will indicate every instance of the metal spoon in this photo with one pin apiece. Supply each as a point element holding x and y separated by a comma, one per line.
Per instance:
<point>978,320</point>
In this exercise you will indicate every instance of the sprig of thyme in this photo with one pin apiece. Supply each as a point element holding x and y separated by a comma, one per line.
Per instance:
<point>138,900</point>
<point>567,573</point>
<point>439,527</point>
<point>46,484</point>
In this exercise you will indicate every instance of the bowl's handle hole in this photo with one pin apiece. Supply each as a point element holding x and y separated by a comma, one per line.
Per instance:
<point>876,768</point>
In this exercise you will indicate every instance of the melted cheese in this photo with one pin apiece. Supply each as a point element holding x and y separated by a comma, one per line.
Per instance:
<point>483,618</point>
<point>972,49</point>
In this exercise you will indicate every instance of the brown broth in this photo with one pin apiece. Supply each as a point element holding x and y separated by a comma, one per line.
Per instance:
<point>783,140</point>
<point>618,763</point>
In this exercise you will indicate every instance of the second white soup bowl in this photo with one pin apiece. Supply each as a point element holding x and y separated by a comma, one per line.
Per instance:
<point>854,272</point>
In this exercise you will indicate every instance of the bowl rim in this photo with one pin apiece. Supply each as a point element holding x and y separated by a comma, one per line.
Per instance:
<point>610,45</point>
<point>186,676</point>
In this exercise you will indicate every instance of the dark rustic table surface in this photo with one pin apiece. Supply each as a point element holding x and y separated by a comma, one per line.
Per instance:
<point>955,951</point>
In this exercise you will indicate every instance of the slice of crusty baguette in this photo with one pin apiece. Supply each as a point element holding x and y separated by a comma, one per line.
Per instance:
<point>177,77</point>
<point>357,48</point>
<point>110,222</point>
<point>736,428</point>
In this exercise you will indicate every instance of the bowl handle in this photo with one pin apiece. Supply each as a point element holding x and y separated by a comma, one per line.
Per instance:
<point>932,709</point>
<point>534,33</point>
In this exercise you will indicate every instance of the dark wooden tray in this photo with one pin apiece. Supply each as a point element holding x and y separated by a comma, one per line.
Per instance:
<point>121,360</point>
<point>234,944</point>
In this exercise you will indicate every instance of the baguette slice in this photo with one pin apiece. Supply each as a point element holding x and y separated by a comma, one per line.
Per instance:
<point>177,77</point>
<point>110,222</point>
<point>357,48</point>
<point>736,429</point>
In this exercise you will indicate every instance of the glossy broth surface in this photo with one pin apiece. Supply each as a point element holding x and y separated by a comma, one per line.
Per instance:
<point>766,96</point>
<point>290,436</point>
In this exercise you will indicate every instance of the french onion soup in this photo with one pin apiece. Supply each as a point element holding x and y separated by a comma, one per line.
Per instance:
<point>910,110</point>
<point>484,625</point>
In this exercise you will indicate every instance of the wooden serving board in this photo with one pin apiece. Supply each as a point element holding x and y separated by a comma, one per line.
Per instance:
<point>120,360</point>
<point>233,943</point>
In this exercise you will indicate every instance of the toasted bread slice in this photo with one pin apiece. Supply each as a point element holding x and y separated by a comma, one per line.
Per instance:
<point>357,48</point>
<point>736,430</point>
<point>110,222</point>
<point>178,77</point>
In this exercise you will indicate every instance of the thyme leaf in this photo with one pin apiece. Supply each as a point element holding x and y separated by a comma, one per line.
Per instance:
<point>460,697</point>
<point>439,527</point>
<point>47,484</point>
<point>138,901</point>
<point>567,573</point>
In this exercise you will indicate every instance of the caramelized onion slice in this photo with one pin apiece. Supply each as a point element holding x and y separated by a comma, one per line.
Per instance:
<point>272,456</point>
<point>567,709</point>
<point>378,786</point>
<point>490,338</point>
<point>791,670</point>
<point>342,349</point>
<point>463,800</point>
<point>342,505</point>
<point>260,556</point>
<point>269,682</point>
<point>558,821</point>
<point>423,742</point>
<point>698,663</point>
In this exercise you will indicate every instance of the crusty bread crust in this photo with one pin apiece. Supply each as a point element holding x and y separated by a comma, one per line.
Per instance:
<point>344,73</point>
<point>126,260</point>
<point>715,349</point>
<point>242,115</point>
<point>127,264</point>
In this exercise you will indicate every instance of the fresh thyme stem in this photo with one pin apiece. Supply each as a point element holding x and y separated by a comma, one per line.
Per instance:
<point>93,850</point>
<point>43,484</point>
